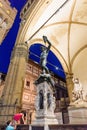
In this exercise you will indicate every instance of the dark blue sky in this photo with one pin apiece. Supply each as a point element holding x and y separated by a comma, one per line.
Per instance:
<point>8,43</point>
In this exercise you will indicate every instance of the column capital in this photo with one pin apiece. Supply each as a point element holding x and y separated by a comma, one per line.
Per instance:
<point>69,75</point>
<point>20,50</point>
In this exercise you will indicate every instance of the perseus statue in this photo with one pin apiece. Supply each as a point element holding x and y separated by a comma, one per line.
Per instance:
<point>44,54</point>
<point>43,60</point>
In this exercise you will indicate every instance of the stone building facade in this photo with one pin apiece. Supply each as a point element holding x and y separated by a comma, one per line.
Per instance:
<point>7,17</point>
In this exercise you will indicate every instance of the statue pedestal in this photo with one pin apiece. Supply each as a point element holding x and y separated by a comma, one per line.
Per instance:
<point>45,102</point>
<point>77,115</point>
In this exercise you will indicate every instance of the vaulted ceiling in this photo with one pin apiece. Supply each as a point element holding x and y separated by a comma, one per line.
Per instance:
<point>64,22</point>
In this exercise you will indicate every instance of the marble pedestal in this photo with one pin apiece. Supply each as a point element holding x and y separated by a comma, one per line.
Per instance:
<point>77,115</point>
<point>45,102</point>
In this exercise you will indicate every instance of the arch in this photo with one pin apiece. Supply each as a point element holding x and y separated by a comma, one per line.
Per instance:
<point>76,54</point>
<point>35,11</point>
<point>55,51</point>
<point>32,15</point>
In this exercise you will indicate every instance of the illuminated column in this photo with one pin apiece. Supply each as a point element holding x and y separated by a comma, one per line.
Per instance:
<point>69,85</point>
<point>12,94</point>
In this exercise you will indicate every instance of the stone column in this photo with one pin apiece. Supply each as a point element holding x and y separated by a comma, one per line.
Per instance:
<point>12,93</point>
<point>69,85</point>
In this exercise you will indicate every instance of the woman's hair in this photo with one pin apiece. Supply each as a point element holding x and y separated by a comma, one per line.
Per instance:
<point>8,122</point>
<point>24,112</point>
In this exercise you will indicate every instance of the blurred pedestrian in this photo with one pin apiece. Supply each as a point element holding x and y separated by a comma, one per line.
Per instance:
<point>20,118</point>
<point>10,125</point>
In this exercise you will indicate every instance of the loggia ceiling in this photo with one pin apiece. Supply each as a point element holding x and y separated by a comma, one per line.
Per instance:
<point>64,22</point>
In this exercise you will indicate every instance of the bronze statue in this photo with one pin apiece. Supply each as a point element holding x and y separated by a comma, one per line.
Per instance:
<point>44,54</point>
<point>43,61</point>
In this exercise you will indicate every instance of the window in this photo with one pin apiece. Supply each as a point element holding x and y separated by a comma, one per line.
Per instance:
<point>28,83</point>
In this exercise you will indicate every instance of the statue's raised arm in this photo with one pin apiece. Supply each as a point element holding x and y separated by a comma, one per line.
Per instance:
<point>44,54</point>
